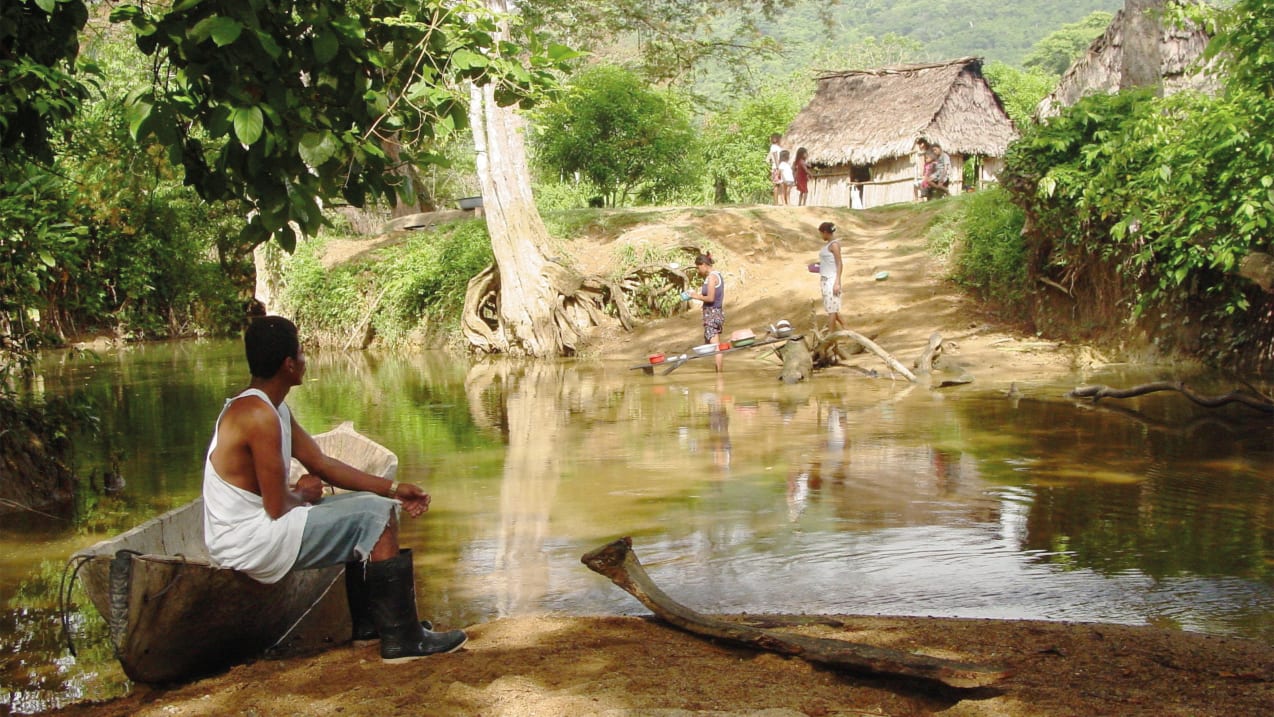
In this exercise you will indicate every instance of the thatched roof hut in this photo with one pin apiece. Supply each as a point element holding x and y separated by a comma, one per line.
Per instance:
<point>1101,67</point>
<point>861,127</point>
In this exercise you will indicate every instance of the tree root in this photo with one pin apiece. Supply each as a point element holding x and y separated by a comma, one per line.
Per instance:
<point>1258,403</point>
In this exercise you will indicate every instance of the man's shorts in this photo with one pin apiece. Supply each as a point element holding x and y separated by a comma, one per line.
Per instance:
<point>342,528</point>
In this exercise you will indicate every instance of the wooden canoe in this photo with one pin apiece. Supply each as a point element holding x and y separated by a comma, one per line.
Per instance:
<point>174,616</point>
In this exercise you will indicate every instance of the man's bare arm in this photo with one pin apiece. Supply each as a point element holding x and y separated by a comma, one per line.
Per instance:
<point>342,475</point>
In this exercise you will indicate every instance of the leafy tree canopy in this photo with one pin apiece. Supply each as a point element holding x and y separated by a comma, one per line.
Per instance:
<point>614,129</point>
<point>1055,53</point>
<point>39,40</point>
<point>735,142</point>
<point>298,100</point>
<point>1019,90</point>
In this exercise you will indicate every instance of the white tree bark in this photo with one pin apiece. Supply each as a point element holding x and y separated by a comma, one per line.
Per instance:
<point>526,292</point>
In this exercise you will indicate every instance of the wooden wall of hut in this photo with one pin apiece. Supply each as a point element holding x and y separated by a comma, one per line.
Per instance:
<point>892,182</point>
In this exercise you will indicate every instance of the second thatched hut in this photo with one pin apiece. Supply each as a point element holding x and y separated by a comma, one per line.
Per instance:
<point>861,129</point>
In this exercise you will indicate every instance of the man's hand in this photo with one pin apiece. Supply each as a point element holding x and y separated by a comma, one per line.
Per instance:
<point>413,498</point>
<point>309,488</point>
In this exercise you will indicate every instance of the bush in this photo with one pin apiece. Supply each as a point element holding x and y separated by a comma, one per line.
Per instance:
<point>989,256</point>
<point>415,286</point>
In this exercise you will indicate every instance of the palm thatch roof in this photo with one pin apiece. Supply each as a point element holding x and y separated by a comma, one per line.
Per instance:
<point>1100,69</point>
<point>863,116</point>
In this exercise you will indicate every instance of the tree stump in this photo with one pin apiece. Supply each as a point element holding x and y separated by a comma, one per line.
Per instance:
<point>798,364</point>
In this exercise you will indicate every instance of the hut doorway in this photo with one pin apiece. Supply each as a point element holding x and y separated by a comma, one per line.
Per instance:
<point>859,175</point>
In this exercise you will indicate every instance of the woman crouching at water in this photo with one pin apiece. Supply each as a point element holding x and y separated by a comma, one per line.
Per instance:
<point>712,294</point>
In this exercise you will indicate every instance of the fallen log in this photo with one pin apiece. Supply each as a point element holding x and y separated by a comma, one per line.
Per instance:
<point>617,561</point>
<point>1099,392</point>
<point>873,347</point>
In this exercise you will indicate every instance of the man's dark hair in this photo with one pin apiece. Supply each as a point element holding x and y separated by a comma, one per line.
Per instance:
<point>267,342</point>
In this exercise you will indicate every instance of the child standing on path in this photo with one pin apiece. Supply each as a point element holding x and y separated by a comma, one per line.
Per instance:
<point>785,173</point>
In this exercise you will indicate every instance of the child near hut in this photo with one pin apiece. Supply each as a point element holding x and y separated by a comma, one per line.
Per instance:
<point>802,176</point>
<point>772,159</point>
<point>787,177</point>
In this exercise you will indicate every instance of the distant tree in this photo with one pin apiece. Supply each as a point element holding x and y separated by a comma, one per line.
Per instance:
<point>1055,53</point>
<point>735,142</point>
<point>615,129</point>
<point>1019,90</point>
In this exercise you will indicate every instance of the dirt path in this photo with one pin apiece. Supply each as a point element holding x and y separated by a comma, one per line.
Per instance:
<point>763,253</point>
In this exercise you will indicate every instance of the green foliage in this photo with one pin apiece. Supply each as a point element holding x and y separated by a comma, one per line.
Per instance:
<point>1054,54</point>
<point>426,277</point>
<point>653,295</point>
<point>1019,90</point>
<point>989,255</point>
<point>554,195</point>
<point>108,238</point>
<point>955,28</point>
<point>1165,196</point>
<point>39,41</point>
<point>36,245</point>
<point>417,284</point>
<point>627,138</point>
<point>1243,43</point>
<point>736,140</point>
<point>317,99</point>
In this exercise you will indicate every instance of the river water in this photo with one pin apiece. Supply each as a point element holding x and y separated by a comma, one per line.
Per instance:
<point>844,494</point>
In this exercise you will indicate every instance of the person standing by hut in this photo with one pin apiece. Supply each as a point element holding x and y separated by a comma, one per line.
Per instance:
<point>802,176</point>
<point>937,172</point>
<point>773,159</point>
<point>830,268</point>
<point>712,294</point>
<point>788,177</point>
<point>920,161</point>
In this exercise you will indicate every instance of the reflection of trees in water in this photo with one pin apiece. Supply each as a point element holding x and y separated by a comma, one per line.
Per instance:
<point>1167,490</point>
<point>528,403</point>
<point>37,673</point>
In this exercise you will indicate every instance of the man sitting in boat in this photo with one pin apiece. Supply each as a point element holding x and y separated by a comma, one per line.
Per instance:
<point>256,523</point>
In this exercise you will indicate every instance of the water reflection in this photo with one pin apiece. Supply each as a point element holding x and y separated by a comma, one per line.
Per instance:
<point>741,493</point>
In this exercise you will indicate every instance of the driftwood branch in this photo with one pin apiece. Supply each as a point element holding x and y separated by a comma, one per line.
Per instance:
<point>871,346</point>
<point>618,562</point>
<point>1099,392</point>
<point>924,364</point>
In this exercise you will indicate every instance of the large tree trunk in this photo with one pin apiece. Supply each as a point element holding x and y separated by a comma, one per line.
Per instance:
<point>526,296</point>
<point>1141,64</point>
<point>527,305</point>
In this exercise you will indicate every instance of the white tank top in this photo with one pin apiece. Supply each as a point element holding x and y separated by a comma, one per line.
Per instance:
<point>237,530</point>
<point>827,261</point>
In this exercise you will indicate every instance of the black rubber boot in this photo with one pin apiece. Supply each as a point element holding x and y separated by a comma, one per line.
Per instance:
<point>360,611</point>
<point>391,593</point>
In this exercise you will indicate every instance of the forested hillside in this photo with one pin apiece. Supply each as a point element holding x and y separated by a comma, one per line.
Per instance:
<point>857,34</point>
<point>1002,31</point>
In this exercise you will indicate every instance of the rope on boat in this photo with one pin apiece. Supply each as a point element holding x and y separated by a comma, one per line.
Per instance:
<point>65,586</point>
<point>291,628</point>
